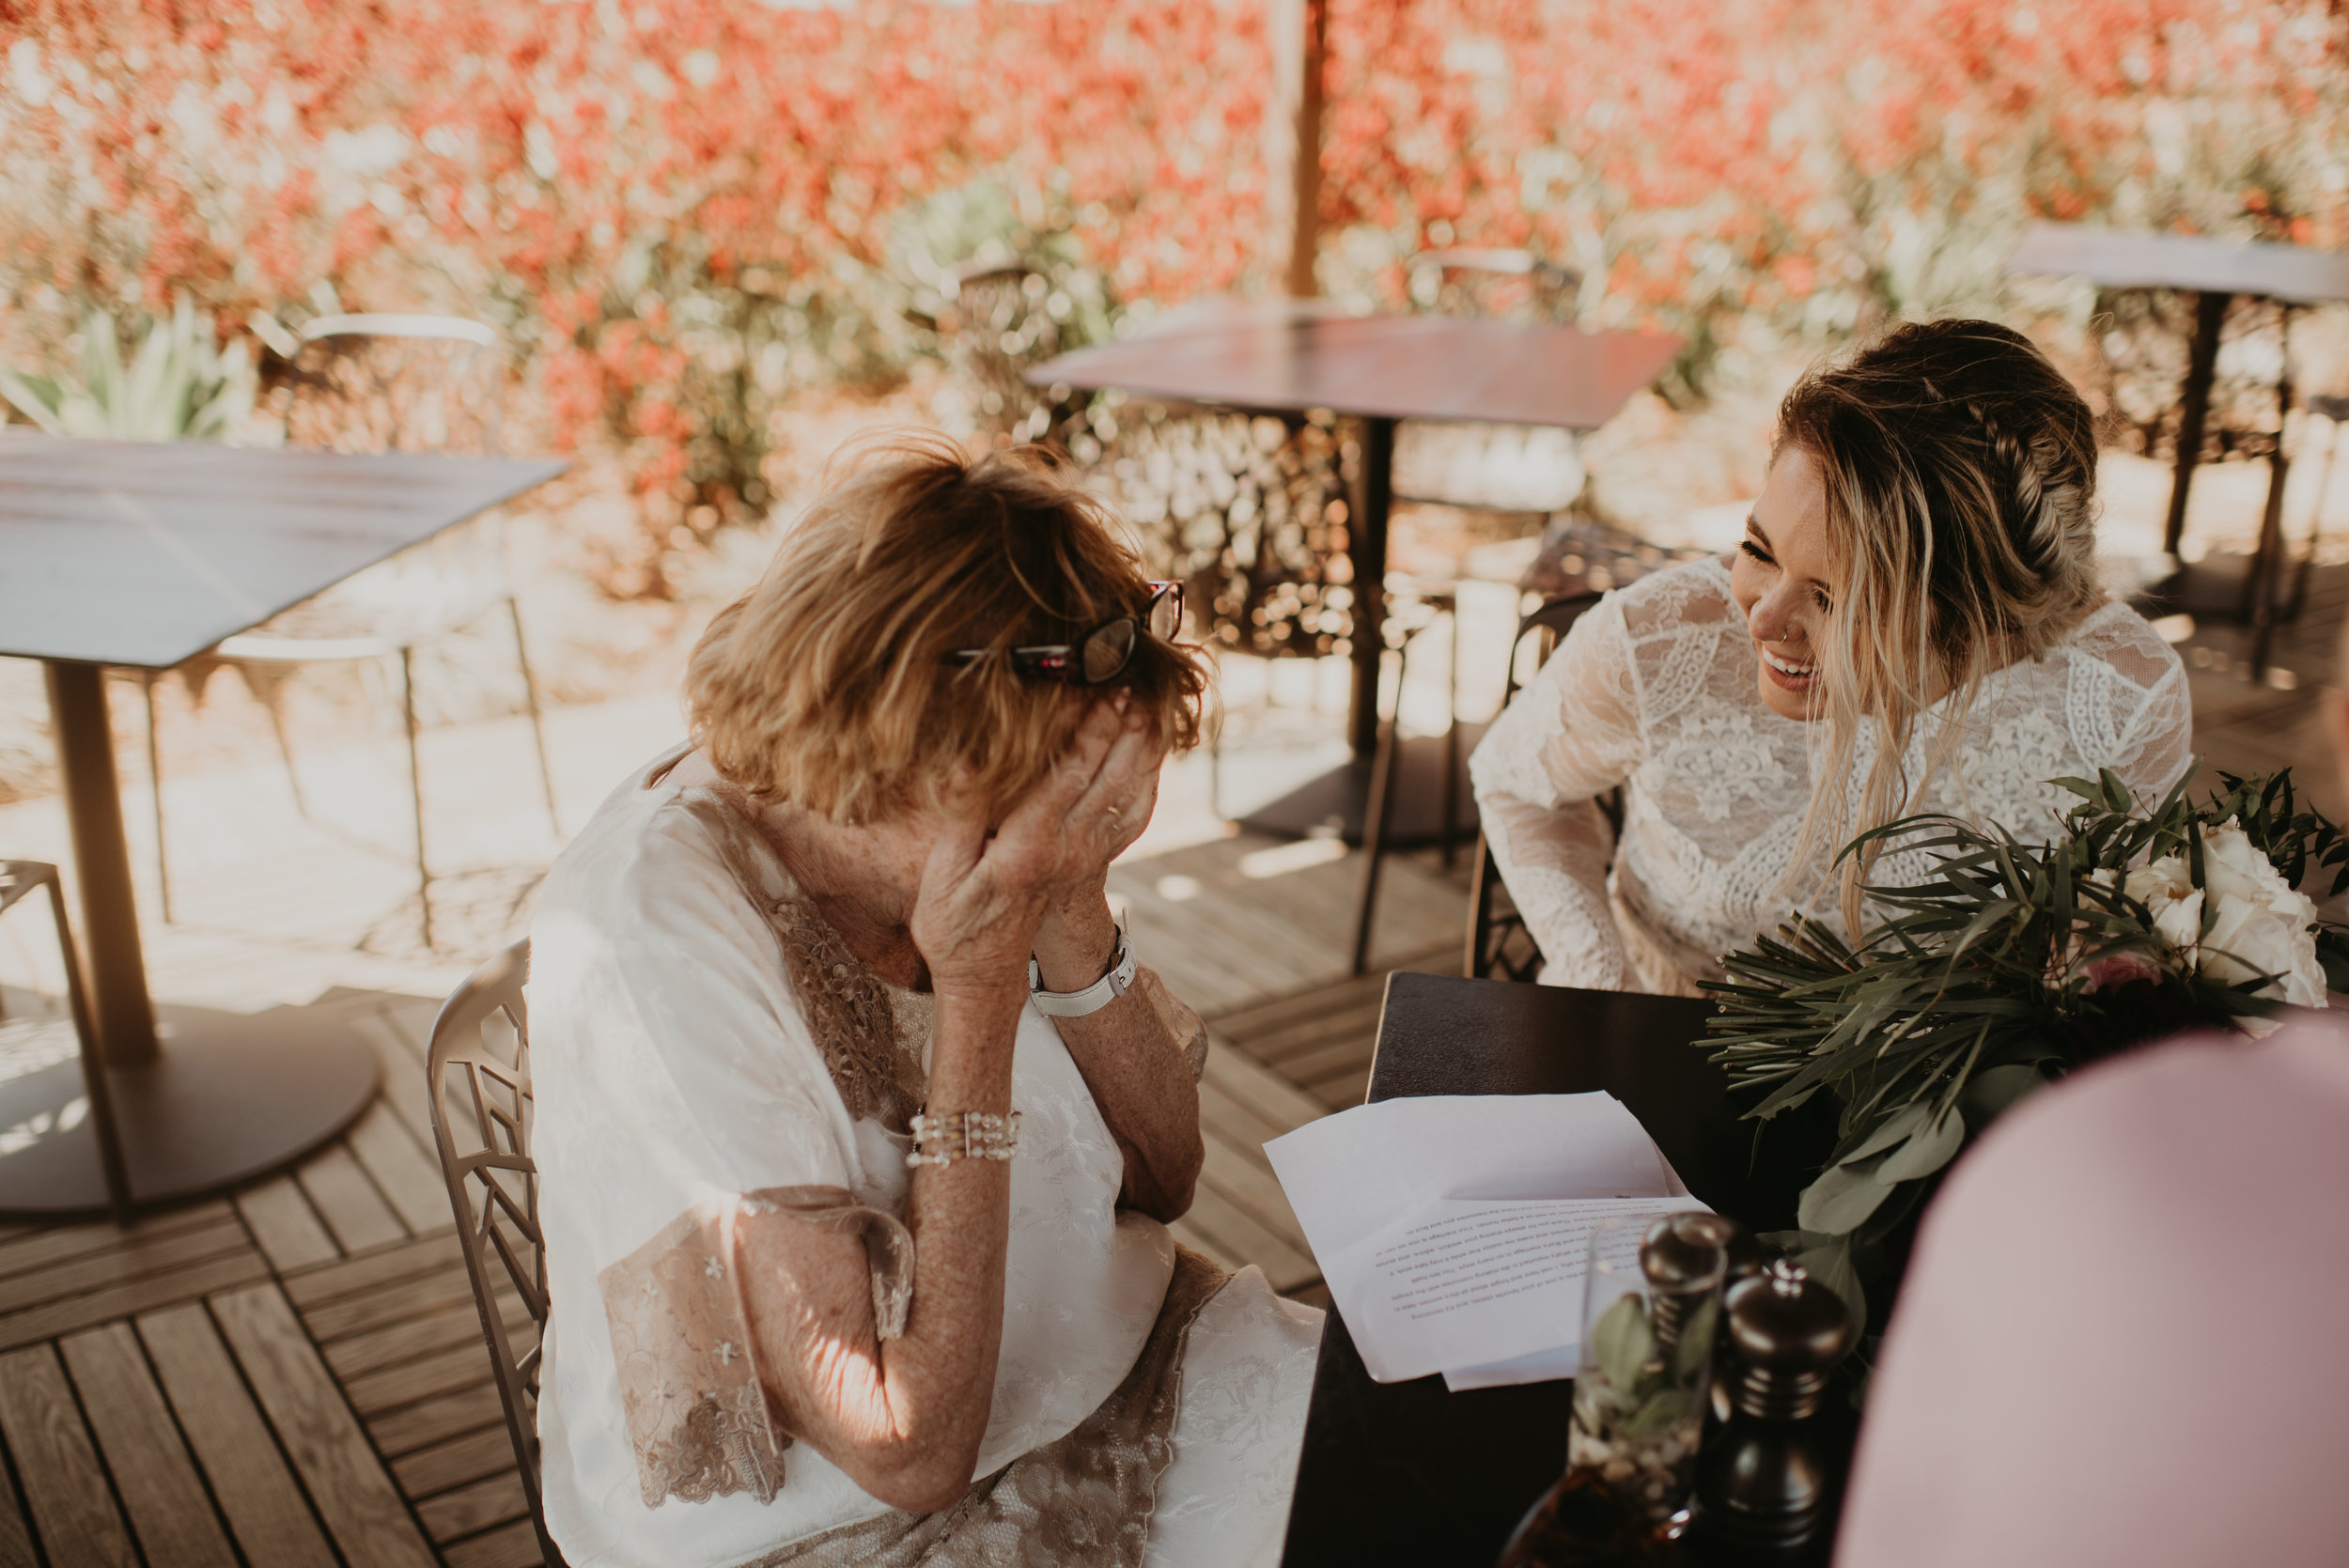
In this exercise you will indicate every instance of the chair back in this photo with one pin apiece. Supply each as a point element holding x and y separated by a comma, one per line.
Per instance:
<point>1512,285</point>
<point>396,384</point>
<point>479,1077</point>
<point>378,383</point>
<point>1499,946</point>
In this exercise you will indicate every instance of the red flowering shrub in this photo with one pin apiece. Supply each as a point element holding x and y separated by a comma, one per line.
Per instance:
<point>683,209</point>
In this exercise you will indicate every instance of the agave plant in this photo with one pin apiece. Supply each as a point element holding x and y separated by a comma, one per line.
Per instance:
<point>179,385</point>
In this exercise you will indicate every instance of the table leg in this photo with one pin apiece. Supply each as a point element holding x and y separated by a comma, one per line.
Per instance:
<point>200,1099</point>
<point>101,861</point>
<point>2201,367</point>
<point>1366,553</point>
<point>2267,562</point>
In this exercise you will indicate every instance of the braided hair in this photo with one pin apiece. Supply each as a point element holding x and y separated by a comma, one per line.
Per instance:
<point>1959,467</point>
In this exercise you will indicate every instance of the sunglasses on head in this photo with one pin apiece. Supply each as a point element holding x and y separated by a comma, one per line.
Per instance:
<point>1100,655</point>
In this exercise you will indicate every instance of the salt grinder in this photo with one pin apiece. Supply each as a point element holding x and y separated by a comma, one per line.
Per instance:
<point>1762,1484</point>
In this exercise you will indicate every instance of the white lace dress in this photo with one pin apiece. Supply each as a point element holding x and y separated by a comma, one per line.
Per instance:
<point>1654,689</point>
<point>692,1034</point>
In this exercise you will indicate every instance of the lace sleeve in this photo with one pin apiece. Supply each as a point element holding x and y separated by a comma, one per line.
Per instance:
<point>2135,713</point>
<point>1572,734</point>
<point>695,1405</point>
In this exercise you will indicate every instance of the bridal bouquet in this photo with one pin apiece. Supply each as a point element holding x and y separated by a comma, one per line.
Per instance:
<point>2012,965</point>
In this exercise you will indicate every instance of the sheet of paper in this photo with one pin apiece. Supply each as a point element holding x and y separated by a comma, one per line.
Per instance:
<point>1466,1283</point>
<point>1353,1175</point>
<point>1360,1171</point>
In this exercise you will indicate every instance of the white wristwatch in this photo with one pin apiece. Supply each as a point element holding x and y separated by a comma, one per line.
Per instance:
<point>1076,1004</point>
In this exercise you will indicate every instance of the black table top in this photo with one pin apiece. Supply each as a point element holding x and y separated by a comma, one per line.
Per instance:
<point>146,553</point>
<point>1411,1472</point>
<point>1294,355</point>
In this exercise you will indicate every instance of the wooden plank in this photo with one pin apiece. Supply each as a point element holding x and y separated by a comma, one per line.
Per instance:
<point>1256,1087</point>
<point>136,1256</point>
<point>397,1343</point>
<point>285,1225</point>
<point>1240,1235</point>
<point>73,1508</point>
<point>16,1530</point>
<point>444,1289</point>
<point>1326,1058</point>
<point>1303,1006</point>
<point>1350,1024</point>
<point>469,1510</point>
<point>347,1200</point>
<point>433,1421</point>
<point>421,1256</point>
<point>161,1491</point>
<point>454,1461</point>
<point>264,1506</point>
<point>514,1545</point>
<point>460,1366</point>
<point>46,1322</point>
<point>362,1510</point>
<point>1220,1116</point>
<point>1251,1184</point>
<point>403,1063</point>
<point>44,1249</point>
<point>406,1172</point>
<point>1347,1089</point>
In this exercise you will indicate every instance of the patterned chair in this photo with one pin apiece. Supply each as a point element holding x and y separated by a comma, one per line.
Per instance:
<point>479,1079</point>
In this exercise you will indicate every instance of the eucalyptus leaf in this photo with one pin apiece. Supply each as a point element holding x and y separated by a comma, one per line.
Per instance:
<point>1659,1412</point>
<point>1622,1341</point>
<point>1841,1199</point>
<point>1894,1130</point>
<point>1694,1347</point>
<point>1928,1149</point>
<point>1992,1090</point>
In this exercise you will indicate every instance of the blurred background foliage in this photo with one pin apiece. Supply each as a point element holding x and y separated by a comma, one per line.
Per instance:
<point>683,214</point>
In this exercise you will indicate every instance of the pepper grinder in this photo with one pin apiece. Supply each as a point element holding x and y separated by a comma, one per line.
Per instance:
<point>1677,1252</point>
<point>1748,1255</point>
<point>1763,1483</point>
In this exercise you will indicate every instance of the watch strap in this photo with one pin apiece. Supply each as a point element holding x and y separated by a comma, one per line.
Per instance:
<point>1076,1004</point>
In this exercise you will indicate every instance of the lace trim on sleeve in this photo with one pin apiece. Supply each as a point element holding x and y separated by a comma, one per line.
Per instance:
<point>1084,1501</point>
<point>696,1408</point>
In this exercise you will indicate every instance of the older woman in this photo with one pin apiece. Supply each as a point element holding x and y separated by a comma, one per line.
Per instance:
<point>858,1119</point>
<point>1913,623</point>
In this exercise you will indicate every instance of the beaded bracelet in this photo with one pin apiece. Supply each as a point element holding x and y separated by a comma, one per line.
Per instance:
<point>963,1135</point>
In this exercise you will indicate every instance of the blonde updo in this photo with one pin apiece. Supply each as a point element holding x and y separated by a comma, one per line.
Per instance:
<point>1959,467</point>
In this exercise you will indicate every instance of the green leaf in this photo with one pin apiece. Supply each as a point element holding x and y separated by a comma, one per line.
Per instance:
<point>1622,1341</point>
<point>1827,1260</point>
<point>1894,1130</point>
<point>1660,1412</point>
<point>1841,1199</point>
<point>1695,1345</point>
<point>1928,1149</point>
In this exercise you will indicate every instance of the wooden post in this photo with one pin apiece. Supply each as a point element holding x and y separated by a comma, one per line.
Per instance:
<point>1291,145</point>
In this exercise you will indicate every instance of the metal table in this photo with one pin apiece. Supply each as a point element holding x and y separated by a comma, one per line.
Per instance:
<point>144,555</point>
<point>1292,356</point>
<point>2215,272</point>
<point>1411,1472</point>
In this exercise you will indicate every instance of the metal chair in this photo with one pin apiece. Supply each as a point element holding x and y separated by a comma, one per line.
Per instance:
<point>480,1104</point>
<point>1499,946</point>
<point>18,880</point>
<point>383,384</point>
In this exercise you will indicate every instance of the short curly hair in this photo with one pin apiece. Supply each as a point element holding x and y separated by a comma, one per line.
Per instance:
<point>829,684</point>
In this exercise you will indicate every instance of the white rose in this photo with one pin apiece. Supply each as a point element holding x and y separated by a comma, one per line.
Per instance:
<point>2166,888</point>
<point>2262,926</point>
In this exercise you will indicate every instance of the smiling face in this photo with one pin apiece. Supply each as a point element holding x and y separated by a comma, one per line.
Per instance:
<point>1779,580</point>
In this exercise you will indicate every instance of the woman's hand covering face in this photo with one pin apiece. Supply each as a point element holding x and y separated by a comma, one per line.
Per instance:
<point>982,896</point>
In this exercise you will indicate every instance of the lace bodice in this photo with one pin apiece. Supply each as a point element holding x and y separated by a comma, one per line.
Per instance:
<point>1655,690</point>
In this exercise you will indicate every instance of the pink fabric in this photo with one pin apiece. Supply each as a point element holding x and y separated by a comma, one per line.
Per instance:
<point>2125,1338</point>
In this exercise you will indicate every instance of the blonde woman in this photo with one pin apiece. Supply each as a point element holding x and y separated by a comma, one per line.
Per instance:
<point>859,1119</point>
<point>1912,623</point>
